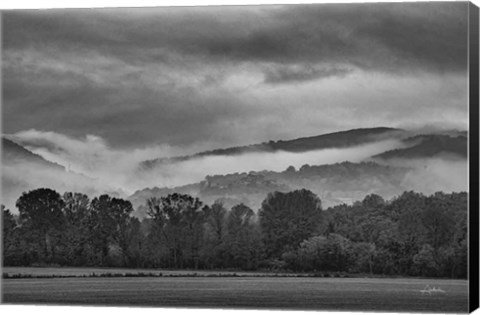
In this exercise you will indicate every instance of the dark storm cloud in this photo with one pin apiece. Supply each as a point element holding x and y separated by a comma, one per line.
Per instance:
<point>133,114</point>
<point>382,36</point>
<point>182,75</point>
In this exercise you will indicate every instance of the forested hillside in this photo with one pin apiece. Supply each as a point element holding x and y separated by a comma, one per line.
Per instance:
<point>335,184</point>
<point>425,146</point>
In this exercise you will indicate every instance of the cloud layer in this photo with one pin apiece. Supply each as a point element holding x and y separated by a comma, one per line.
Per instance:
<point>220,76</point>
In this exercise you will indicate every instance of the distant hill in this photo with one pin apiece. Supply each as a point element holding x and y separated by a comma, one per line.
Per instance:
<point>15,179</point>
<point>13,153</point>
<point>334,184</point>
<point>331,140</point>
<point>428,146</point>
<point>23,170</point>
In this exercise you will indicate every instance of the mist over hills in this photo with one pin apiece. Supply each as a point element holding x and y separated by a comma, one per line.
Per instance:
<point>339,167</point>
<point>14,159</point>
<point>24,170</point>
<point>336,183</point>
<point>13,153</point>
<point>340,139</point>
<point>422,162</point>
<point>424,146</point>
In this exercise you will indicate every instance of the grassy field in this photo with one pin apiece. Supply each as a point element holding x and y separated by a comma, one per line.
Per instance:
<point>361,294</point>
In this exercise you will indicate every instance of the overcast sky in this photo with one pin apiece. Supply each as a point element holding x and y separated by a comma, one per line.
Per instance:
<point>222,76</point>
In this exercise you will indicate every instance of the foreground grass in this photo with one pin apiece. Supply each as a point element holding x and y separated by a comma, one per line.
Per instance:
<point>260,292</point>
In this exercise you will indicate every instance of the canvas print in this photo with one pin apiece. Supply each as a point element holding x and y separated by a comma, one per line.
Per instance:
<point>295,157</point>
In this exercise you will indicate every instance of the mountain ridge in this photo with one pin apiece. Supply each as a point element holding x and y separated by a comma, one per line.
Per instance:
<point>12,152</point>
<point>339,139</point>
<point>427,145</point>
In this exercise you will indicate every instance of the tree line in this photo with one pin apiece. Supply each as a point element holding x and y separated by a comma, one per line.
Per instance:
<point>409,235</point>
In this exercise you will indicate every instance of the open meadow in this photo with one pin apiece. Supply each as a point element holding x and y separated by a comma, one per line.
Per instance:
<point>244,291</point>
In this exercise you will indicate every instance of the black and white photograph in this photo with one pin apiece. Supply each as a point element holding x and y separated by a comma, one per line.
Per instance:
<point>302,157</point>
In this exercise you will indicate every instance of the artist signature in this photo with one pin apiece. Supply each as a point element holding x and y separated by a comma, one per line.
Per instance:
<point>431,291</point>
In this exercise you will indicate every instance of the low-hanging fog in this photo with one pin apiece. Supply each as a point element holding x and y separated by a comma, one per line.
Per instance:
<point>118,170</point>
<point>196,169</point>
<point>435,174</point>
<point>93,167</point>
